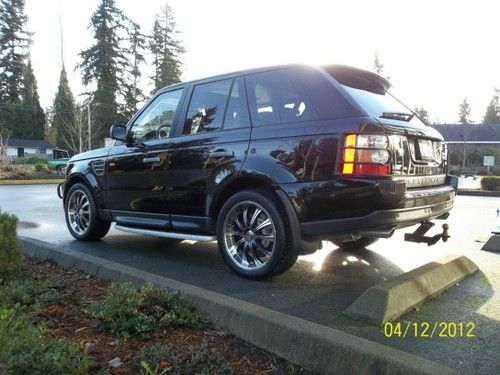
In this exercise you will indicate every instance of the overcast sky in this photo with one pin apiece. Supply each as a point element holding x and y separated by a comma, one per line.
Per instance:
<point>436,52</point>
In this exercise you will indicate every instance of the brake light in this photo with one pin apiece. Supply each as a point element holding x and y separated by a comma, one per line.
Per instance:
<point>365,154</point>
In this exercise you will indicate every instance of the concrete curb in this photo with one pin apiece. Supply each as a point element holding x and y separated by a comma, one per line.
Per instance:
<point>392,299</point>
<point>312,346</point>
<point>479,193</point>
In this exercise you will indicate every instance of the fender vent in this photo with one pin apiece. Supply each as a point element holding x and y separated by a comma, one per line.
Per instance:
<point>98,167</point>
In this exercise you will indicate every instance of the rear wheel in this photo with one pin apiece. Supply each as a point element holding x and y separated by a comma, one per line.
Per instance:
<point>358,244</point>
<point>252,235</point>
<point>82,215</point>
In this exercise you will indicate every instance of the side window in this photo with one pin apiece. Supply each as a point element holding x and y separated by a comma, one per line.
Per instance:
<point>293,95</point>
<point>206,108</point>
<point>237,111</point>
<point>156,120</point>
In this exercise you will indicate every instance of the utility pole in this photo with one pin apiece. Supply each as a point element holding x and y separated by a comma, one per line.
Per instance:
<point>89,127</point>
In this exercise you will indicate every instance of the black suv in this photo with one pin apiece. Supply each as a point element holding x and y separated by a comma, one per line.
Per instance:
<point>267,162</point>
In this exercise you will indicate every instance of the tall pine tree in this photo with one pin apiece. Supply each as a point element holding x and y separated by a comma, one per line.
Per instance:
<point>102,64</point>
<point>492,115</point>
<point>33,116</point>
<point>422,114</point>
<point>166,50</point>
<point>132,94</point>
<point>464,113</point>
<point>64,115</point>
<point>14,42</point>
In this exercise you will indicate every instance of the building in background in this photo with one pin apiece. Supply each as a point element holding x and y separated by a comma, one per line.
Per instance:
<point>24,148</point>
<point>474,141</point>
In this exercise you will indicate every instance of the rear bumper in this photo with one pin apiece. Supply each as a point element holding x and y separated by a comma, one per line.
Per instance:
<point>416,206</point>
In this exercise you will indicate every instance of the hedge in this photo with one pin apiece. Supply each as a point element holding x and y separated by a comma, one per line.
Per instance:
<point>491,183</point>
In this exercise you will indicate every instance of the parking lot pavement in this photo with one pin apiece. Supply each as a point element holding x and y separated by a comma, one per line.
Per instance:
<point>321,286</point>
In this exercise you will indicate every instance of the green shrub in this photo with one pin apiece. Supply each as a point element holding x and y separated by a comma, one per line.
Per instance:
<point>159,359</point>
<point>40,167</point>
<point>491,183</point>
<point>10,249</point>
<point>31,160</point>
<point>37,160</point>
<point>24,350</point>
<point>128,311</point>
<point>21,160</point>
<point>31,293</point>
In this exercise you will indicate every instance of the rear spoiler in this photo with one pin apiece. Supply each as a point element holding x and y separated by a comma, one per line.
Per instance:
<point>358,78</point>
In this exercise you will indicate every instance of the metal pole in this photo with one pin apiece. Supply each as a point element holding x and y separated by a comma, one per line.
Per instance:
<point>80,142</point>
<point>89,128</point>
<point>464,151</point>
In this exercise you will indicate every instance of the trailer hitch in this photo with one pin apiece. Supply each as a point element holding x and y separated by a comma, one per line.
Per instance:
<point>418,235</point>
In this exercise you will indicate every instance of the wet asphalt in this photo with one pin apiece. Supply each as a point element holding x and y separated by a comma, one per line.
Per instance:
<point>320,286</point>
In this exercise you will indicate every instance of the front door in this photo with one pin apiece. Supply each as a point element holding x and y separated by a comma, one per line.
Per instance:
<point>210,144</point>
<point>137,176</point>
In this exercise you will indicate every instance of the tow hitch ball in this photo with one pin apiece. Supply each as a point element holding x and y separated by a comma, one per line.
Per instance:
<point>418,235</point>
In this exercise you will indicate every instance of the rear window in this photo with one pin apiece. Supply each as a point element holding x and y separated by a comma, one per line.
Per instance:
<point>375,104</point>
<point>293,95</point>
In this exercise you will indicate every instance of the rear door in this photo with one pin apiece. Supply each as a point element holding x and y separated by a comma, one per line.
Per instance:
<point>210,144</point>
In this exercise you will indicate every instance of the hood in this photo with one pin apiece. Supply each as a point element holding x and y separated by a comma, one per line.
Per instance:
<point>92,154</point>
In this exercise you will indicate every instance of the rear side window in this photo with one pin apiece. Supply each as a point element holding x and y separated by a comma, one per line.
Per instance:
<point>237,111</point>
<point>206,108</point>
<point>293,95</point>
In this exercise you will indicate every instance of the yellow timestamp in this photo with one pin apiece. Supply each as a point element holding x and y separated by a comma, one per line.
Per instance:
<point>429,329</point>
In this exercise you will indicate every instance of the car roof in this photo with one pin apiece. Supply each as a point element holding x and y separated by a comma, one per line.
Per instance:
<point>339,69</point>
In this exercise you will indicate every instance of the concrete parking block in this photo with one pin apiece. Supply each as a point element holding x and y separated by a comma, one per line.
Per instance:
<point>392,299</point>
<point>320,349</point>
<point>493,244</point>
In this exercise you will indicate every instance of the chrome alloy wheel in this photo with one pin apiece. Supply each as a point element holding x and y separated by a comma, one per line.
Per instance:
<point>79,211</point>
<point>249,235</point>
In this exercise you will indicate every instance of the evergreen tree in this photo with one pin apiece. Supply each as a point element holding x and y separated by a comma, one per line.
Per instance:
<point>33,123</point>
<point>102,64</point>
<point>422,113</point>
<point>64,114</point>
<point>379,67</point>
<point>492,115</point>
<point>132,93</point>
<point>464,113</point>
<point>14,42</point>
<point>166,50</point>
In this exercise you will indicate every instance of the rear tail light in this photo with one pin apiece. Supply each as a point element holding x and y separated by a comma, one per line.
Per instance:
<point>365,154</point>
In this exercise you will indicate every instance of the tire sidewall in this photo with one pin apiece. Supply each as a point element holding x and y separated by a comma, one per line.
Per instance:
<point>279,226</point>
<point>93,211</point>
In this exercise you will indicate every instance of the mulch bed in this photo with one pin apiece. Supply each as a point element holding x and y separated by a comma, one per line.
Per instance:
<point>68,320</point>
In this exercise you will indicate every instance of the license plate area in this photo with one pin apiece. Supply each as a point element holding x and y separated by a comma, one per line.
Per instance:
<point>426,150</point>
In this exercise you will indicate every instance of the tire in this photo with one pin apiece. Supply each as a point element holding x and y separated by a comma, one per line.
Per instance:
<point>355,245</point>
<point>82,214</point>
<point>255,247</point>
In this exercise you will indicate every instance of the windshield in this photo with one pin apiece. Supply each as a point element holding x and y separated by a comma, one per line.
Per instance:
<point>379,105</point>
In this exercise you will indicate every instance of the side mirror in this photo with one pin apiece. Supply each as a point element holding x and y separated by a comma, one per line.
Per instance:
<point>118,132</point>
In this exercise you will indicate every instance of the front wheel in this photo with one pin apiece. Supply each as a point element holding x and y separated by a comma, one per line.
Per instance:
<point>254,235</point>
<point>82,214</point>
<point>358,244</point>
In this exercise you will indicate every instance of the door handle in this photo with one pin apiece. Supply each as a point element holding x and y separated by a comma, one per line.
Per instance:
<point>155,159</point>
<point>221,154</point>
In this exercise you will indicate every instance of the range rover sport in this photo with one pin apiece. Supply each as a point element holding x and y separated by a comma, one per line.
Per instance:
<point>266,162</point>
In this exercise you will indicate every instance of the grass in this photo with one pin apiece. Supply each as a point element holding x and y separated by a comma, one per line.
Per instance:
<point>32,182</point>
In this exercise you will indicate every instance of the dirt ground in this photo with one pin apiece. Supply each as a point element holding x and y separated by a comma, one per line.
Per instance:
<point>67,319</point>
